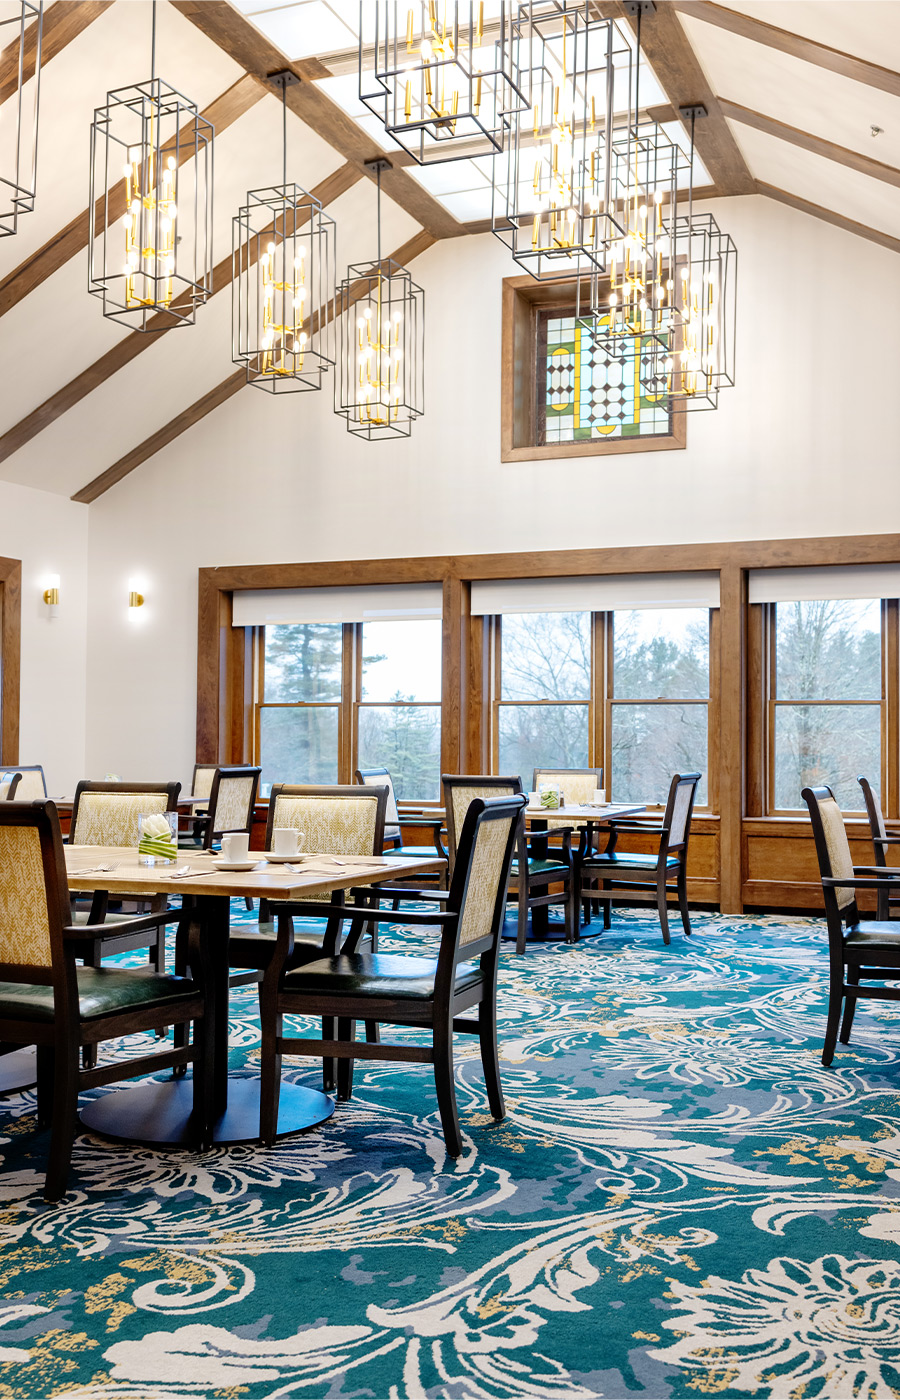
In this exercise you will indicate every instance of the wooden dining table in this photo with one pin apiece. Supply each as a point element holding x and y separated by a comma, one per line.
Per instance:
<point>157,1112</point>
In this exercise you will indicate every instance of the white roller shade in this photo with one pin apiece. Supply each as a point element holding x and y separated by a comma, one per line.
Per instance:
<point>595,593</point>
<point>807,585</point>
<point>254,607</point>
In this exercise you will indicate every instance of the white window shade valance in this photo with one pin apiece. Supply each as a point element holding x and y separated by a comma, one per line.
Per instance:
<point>595,593</point>
<point>809,585</point>
<point>255,607</point>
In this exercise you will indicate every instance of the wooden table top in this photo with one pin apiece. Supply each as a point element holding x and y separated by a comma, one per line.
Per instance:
<point>583,812</point>
<point>316,874</point>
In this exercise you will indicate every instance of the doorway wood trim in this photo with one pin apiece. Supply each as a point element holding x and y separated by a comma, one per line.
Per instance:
<point>10,658</point>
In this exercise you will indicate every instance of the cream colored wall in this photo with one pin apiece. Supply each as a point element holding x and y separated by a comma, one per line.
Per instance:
<point>806,445</point>
<point>50,535</point>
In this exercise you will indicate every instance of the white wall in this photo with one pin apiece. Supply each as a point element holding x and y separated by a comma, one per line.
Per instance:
<point>50,536</point>
<point>804,446</point>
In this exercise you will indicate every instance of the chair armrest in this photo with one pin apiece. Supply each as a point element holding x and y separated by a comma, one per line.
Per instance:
<point>863,883</point>
<point>137,925</point>
<point>434,823</point>
<point>881,872</point>
<point>886,840</point>
<point>361,912</point>
<point>403,893</point>
<point>629,824</point>
<point>551,831</point>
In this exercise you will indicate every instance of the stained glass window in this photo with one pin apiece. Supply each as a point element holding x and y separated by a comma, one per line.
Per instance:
<point>585,393</point>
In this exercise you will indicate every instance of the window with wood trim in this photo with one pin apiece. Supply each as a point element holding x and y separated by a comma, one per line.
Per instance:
<point>563,392</point>
<point>331,697</point>
<point>827,694</point>
<point>632,691</point>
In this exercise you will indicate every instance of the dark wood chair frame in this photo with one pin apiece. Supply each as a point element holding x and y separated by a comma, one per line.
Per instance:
<point>58,1041</point>
<point>23,768</point>
<point>597,774</point>
<point>13,784</point>
<point>531,888</point>
<point>395,843</point>
<point>202,824</point>
<point>442,1013</point>
<point>882,840</point>
<point>656,874</point>
<point>876,957</point>
<point>95,946</point>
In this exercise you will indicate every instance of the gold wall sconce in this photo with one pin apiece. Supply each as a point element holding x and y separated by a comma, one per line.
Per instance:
<point>50,595</point>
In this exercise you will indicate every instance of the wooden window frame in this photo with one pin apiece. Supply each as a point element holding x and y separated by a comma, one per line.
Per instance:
<point>523,300</point>
<point>887,704</point>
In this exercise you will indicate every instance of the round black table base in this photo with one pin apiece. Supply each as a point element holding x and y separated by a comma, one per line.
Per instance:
<point>156,1114</point>
<point>18,1071</point>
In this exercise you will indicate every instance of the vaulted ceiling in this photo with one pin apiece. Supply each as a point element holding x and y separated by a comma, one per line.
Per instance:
<point>803,99</point>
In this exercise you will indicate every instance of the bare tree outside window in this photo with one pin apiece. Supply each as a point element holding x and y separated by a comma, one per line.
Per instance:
<point>543,715</point>
<point>400,708</point>
<point>659,714</point>
<point>298,716</point>
<point>826,720</point>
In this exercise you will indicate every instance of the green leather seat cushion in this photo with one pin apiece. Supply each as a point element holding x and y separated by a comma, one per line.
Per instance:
<point>541,867</point>
<point>875,935</point>
<point>632,860</point>
<point>414,852</point>
<point>102,991</point>
<point>388,975</point>
<point>82,916</point>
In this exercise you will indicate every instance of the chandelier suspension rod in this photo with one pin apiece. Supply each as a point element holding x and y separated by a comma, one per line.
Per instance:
<point>378,186</point>
<point>153,44</point>
<point>284,133</point>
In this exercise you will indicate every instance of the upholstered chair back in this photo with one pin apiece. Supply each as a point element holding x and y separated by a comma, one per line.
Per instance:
<point>838,862</point>
<point>679,807</point>
<point>578,784</point>
<point>33,890</point>
<point>380,777</point>
<point>337,821</point>
<point>232,797</point>
<point>203,778</point>
<point>488,870</point>
<point>31,787</point>
<point>875,815</point>
<point>9,782</point>
<point>111,818</point>
<point>461,790</point>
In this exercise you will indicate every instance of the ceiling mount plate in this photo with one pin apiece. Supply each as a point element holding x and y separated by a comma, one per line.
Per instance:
<point>377,166</point>
<point>696,111</point>
<point>639,7</point>
<point>283,78</point>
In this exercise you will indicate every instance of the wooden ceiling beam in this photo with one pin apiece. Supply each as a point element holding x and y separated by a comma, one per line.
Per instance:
<point>327,191</point>
<point>859,69</point>
<point>237,37</point>
<point>219,395</point>
<point>828,216</point>
<point>63,22</point>
<point>669,53</point>
<point>73,239</point>
<point>807,142</point>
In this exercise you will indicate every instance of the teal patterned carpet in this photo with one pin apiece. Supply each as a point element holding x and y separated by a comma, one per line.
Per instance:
<point>681,1202</point>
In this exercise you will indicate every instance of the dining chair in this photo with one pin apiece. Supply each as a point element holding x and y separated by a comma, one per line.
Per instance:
<point>578,786</point>
<point>232,798</point>
<point>857,948</point>
<point>535,866</point>
<point>664,871</point>
<point>399,990</point>
<point>394,824</point>
<point>32,784</point>
<point>45,1000</point>
<point>882,841</point>
<point>9,782</point>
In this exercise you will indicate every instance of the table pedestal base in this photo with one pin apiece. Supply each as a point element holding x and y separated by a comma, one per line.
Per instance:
<point>18,1071</point>
<point>156,1114</point>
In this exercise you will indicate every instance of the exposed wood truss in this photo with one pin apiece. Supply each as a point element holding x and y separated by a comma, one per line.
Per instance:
<point>675,64</point>
<point>864,164</point>
<point>211,400</point>
<point>63,22</point>
<point>238,38</point>
<point>71,240</point>
<point>134,344</point>
<point>860,69</point>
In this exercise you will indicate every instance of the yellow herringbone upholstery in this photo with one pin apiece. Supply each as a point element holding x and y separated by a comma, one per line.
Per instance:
<point>111,818</point>
<point>484,879</point>
<point>24,921</point>
<point>233,804</point>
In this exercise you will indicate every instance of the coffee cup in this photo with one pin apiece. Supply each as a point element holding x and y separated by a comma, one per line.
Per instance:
<point>534,799</point>
<point>600,797</point>
<point>235,846</point>
<point>285,841</point>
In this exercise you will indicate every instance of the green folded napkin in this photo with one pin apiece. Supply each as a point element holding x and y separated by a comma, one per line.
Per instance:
<point>159,846</point>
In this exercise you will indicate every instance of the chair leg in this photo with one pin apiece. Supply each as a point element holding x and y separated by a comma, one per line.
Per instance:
<point>661,907</point>
<point>180,1032</point>
<point>203,1085</point>
<point>373,1033</point>
<point>329,1066</point>
<point>522,919</point>
<point>835,998</point>
<point>270,1081</point>
<point>45,1072</point>
<point>346,1031</point>
<point>62,1123</point>
<point>446,1089</point>
<point>682,900</point>
<point>571,907</point>
<point>248,904</point>
<point>607,906</point>
<point>490,1060</point>
<point>850,1007</point>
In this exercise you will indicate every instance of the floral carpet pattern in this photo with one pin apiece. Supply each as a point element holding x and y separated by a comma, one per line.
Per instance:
<point>681,1201</point>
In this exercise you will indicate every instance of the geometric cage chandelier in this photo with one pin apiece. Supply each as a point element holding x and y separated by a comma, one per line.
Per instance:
<point>19,114</point>
<point>150,208</point>
<point>379,388</point>
<point>441,78</point>
<point>283,281</point>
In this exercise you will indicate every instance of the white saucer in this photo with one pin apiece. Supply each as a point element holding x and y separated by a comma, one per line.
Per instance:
<point>235,865</point>
<point>275,859</point>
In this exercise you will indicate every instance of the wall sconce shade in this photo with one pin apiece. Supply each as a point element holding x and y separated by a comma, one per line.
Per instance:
<point>50,594</point>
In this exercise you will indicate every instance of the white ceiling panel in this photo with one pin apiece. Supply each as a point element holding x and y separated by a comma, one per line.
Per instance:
<point>801,94</point>
<point>824,182</point>
<point>112,52</point>
<point>867,29</point>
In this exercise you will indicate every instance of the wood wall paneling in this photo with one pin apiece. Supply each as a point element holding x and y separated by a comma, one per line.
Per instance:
<point>10,657</point>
